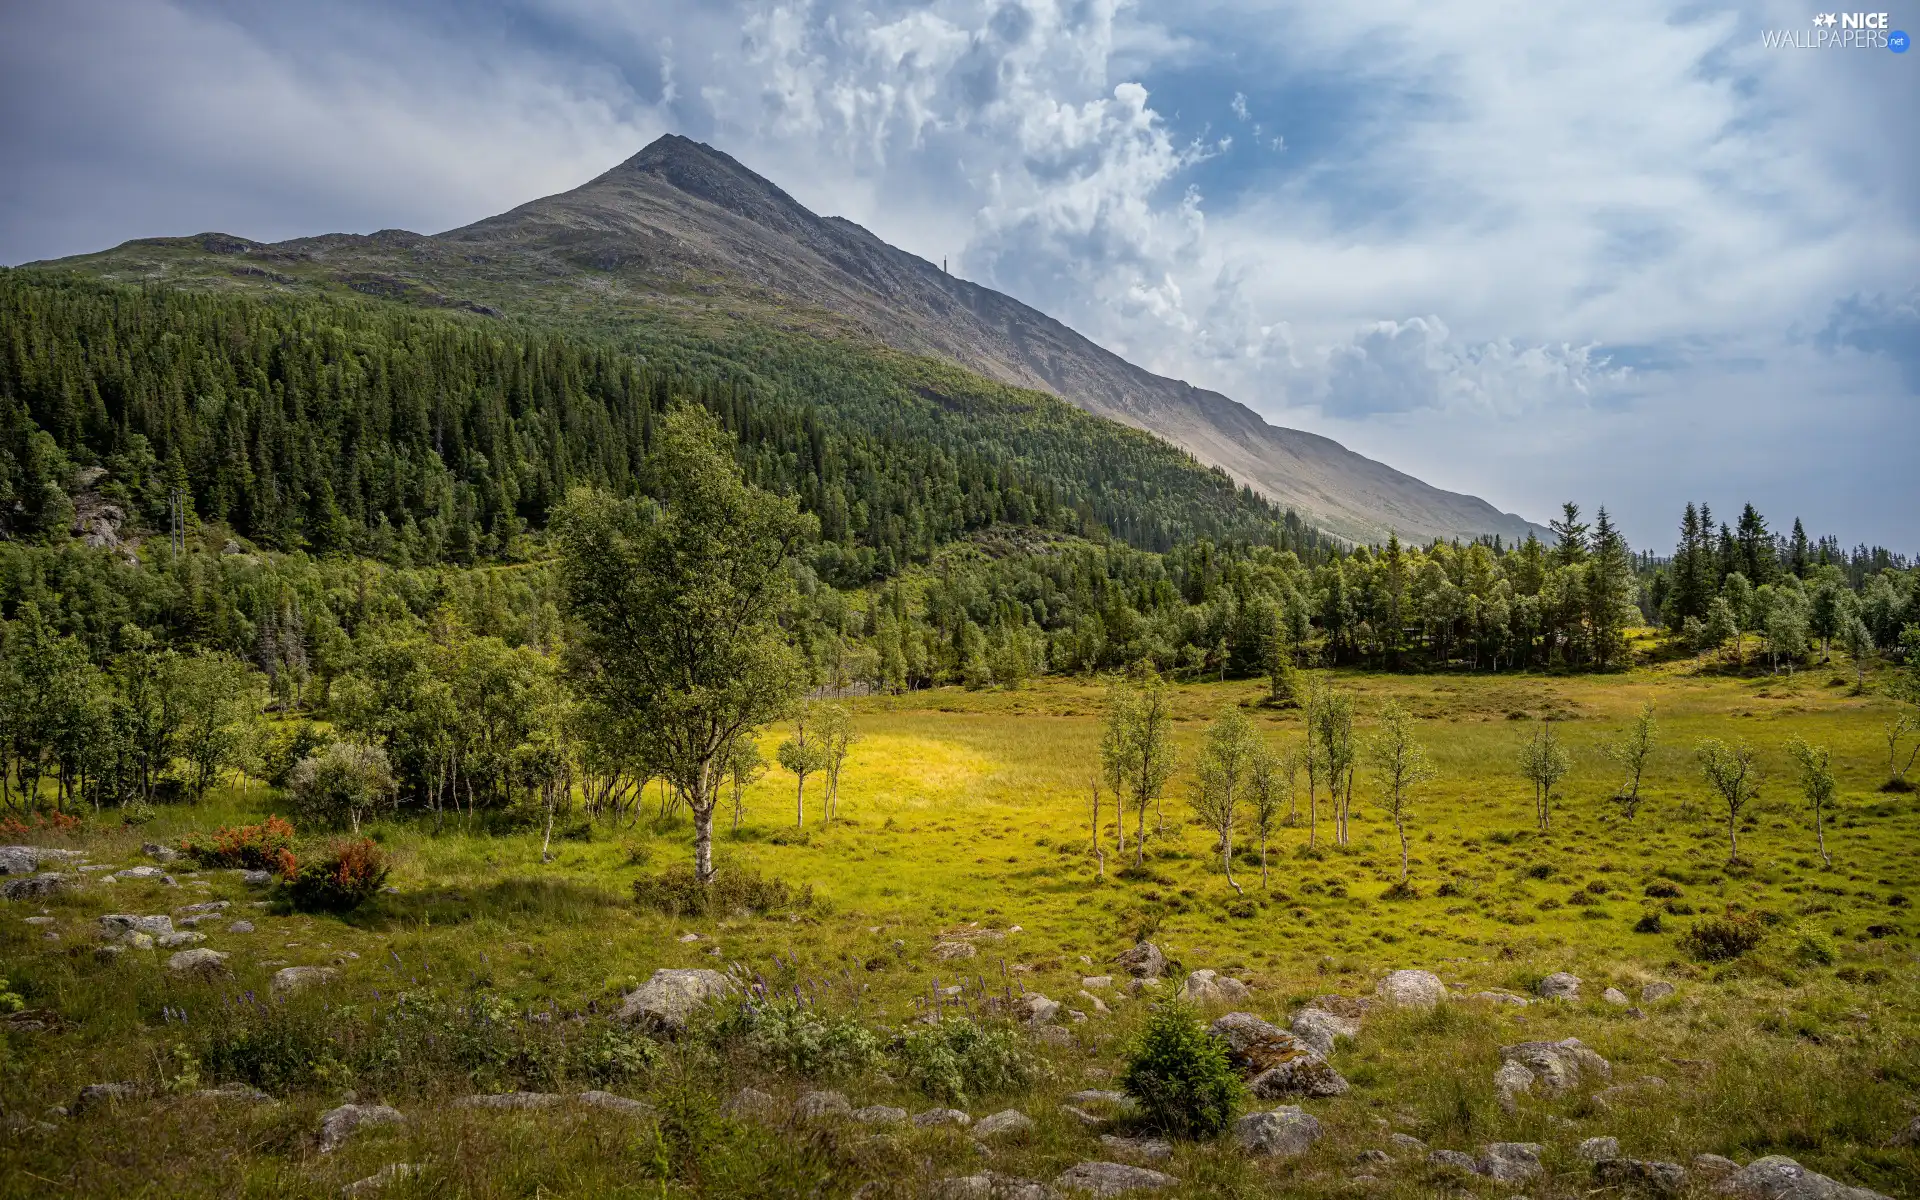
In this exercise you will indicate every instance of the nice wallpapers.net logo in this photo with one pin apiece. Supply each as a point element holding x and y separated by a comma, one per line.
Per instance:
<point>1840,31</point>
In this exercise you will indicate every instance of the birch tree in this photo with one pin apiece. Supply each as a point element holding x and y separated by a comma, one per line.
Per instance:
<point>1402,764</point>
<point>1136,749</point>
<point>1544,762</point>
<point>1221,778</point>
<point>804,753</point>
<point>1815,764</point>
<point>1633,749</point>
<point>1733,775</point>
<point>1269,777</point>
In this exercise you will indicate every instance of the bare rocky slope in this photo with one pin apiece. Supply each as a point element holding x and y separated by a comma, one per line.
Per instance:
<point>685,232</point>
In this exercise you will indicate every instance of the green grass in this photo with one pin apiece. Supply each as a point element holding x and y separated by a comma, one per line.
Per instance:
<point>960,808</point>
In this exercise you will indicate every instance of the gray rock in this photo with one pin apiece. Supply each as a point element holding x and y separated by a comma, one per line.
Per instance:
<point>1254,1045</point>
<point>203,962</point>
<point>1507,998</point>
<point>1094,1002</point>
<point>1282,1133</point>
<point>234,1091</point>
<point>110,952</point>
<point>137,941</point>
<point>1777,1177</point>
<point>1119,1101</point>
<point>1511,1082</point>
<point>1638,1175</point>
<point>613,1103</point>
<point>1149,1148</point>
<point>1110,1179</point>
<point>288,980</point>
<point>1598,1149</point>
<point>382,1179</point>
<point>1411,989</point>
<point>1510,1162</point>
<point>208,906</point>
<point>1318,1028</point>
<point>1373,1158</point>
<point>1299,1077</point>
<point>1211,987</point>
<point>751,1104</point>
<point>1655,991</point>
<point>953,951</point>
<point>19,860</point>
<point>1560,985</point>
<point>942,1116</point>
<point>256,878</point>
<point>1083,1116</point>
<point>1143,961</point>
<point>813,1107</point>
<point>34,887</point>
<point>180,937</point>
<point>1010,1122</point>
<point>140,873</point>
<point>121,924</point>
<point>159,853</point>
<point>1558,1066</point>
<point>1097,981</point>
<point>1454,1160</point>
<point>1406,1143</point>
<point>1615,997</point>
<point>1910,1136</point>
<point>1713,1166</point>
<point>1035,1009</point>
<point>880,1114</point>
<point>1054,1035</point>
<point>339,1124</point>
<point>510,1100</point>
<point>37,920</point>
<point>240,927</point>
<point>98,1095</point>
<point>664,1002</point>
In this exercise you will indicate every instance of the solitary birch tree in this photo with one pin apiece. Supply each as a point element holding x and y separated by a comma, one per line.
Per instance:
<point>1221,778</point>
<point>1817,785</point>
<point>1401,763</point>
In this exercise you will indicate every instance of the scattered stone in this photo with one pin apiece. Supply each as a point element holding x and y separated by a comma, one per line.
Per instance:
<point>121,924</point>
<point>1054,1035</point>
<point>1373,1158</point>
<point>1119,1101</point>
<point>1083,1116</point>
<point>1560,985</point>
<point>203,962</point>
<point>952,951</point>
<point>337,1125</point>
<point>1351,1008</point>
<point>1143,961</point>
<point>942,1116</point>
<point>1282,1133</point>
<point>1211,987</point>
<point>1713,1166</point>
<point>1639,1175</point>
<point>1009,1122</point>
<point>1511,1082</point>
<point>1149,1148</point>
<point>288,980</point>
<point>256,878</point>
<point>385,1177</point>
<point>1318,1028</point>
<point>110,952</point>
<point>664,1002</point>
<point>19,860</point>
<point>1655,991</point>
<point>33,887</point>
<point>751,1104</point>
<point>1035,1009</point>
<point>1254,1045</point>
<point>1615,997</point>
<point>880,1114</point>
<point>37,920</point>
<point>1094,1002</point>
<point>1306,1076</point>
<point>613,1103</point>
<point>206,906</point>
<point>1406,1143</point>
<point>1777,1177</point>
<point>1454,1160</point>
<point>181,937</point>
<point>1510,1162</point>
<point>159,853</point>
<point>234,1091</point>
<point>1097,981</point>
<point>95,1095</point>
<point>1557,1066</point>
<point>510,1100</point>
<point>1501,998</point>
<point>240,927</point>
<point>1599,1149</point>
<point>813,1107</point>
<point>141,873</point>
<point>1110,1179</point>
<point>688,937</point>
<point>989,1185</point>
<point>1412,989</point>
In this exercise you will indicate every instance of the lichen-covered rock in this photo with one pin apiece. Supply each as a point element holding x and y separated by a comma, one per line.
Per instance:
<point>1111,1179</point>
<point>1510,1162</point>
<point>1211,987</point>
<point>1282,1133</point>
<point>813,1107</point>
<point>1712,1166</point>
<point>97,1095</point>
<point>1511,1082</point>
<point>179,937</point>
<point>950,951</point>
<point>202,962</point>
<point>19,860</point>
<point>1318,1028</point>
<point>240,927</point>
<point>1777,1177</point>
<point>1454,1160</point>
<point>1143,961</point>
<point>33,887</point>
<point>1412,989</point>
<point>1598,1149</point>
<point>339,1124</point>
<point>288,980</point>
<point>1254,1045</point>
<point>989,1186</point>
<point>880,1114</point>
<point>664,1002</point>
<point>1558,1066</point>
<point>1009,1123</point>
<point>1615,997</point>
<point>1406,1143</point>
<point>118,925</point>
<point>142,873</point>
<point>1035,1009</point>
<point>1656,991</point>
<point>1639,1175</point>
<point>1307,1076</point>
<point>1507,998</point>
<point>942,1116</point>
<point>1561,985</point>
<point>751,1104</point>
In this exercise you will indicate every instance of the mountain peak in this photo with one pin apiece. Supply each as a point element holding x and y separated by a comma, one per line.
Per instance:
<point>705,173</point>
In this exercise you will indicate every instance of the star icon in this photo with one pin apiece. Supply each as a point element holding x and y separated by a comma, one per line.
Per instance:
<point>1825,19</point>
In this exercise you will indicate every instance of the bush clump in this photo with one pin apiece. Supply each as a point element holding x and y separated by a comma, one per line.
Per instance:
<point>267,846</point>
<point>1812,947</point>
<point>959,1060</point>
<point>1179,1075</point>
<point>678,893</point>
<point>1722,938</point>
<point>346,877</point>
<point>1648,923</point>
<point>798,1037</point>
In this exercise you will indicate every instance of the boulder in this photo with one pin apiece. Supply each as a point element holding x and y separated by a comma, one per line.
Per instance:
<point>510,1100</point>
<point>1254,1045</point>
<point>1035,1009</point>
<point>240,927</point>
<point>1777,1177</point>
<point>33,887</point>
<point>288,980</point>
<point>140,873</point>
<point>1282,1133</point>
<point>1406,1143</point>
<point>951,951</point>
<point>1412,989</point>
<point>1143,961</point>
<point>814,1107</point>
<point>1655,991</point>
<point>339,1124</point>
<point>19,860</point>
<point>1110,1179</point>
<point>137,941</point>
<point>180,937</point>
<point>1306,1076</point>
<point>1557,1067</point>
<point>1011,1122</point>
<point>382,1179</point>
<point>1560,985</point>
<point>1599,1149</point>
<point>613,1103</point>
<point>1639,1175</point>
<point>96,1095</point>
<point>1150,1148</point>
<point>1511,1082</point>
<point>1615,997</point>
<point>122,924</point>
<point>934,1117</point>
<point>1097,981</point>
<point>880,1114</point>
<point>664,1002</point>
<point>1318,1028</point>
<point>1510,1162</point>
<point>256,878</point>
<point>203,962</point>
<point>1211,987</point>
<point>751,1104</point>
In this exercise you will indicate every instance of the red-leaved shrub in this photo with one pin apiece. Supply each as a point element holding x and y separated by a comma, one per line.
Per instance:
<point>267,846</point>
<point>344,879</point>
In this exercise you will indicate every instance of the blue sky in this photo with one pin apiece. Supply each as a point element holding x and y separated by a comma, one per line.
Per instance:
<point>1618,253</point>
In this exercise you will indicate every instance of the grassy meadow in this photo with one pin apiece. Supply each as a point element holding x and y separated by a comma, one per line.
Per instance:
<point>966,814</point>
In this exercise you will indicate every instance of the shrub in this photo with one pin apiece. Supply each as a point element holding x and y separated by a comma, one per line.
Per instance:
<point>340,784</point>
<point>1660,889</point>
<point>678,893</point>
<point>49,821</point>
<point>798,1037</point>
<point>343,880</point>
<point>1179,1075</point>
<point>267,846</point>
<point>1649,923</point>
<point>1812,946</point>
<point>1718,939</point>
<point>959,1060</point>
